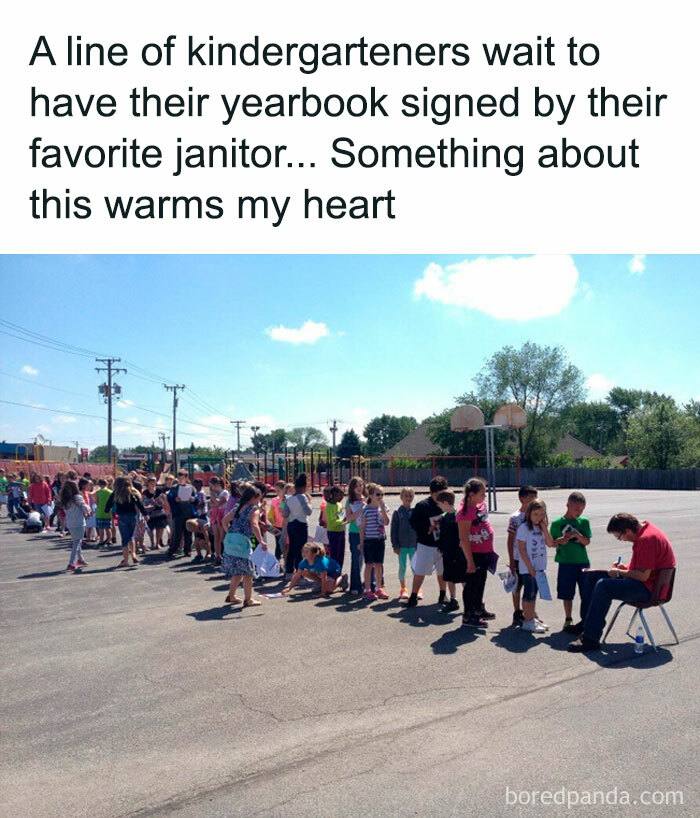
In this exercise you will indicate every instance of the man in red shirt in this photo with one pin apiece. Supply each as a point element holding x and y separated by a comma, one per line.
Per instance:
<point>651,552</point>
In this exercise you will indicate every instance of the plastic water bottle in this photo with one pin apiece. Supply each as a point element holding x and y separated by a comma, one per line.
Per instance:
<point>639,640</point>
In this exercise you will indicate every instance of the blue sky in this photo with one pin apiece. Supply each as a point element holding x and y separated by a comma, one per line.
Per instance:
<point>297,340</point>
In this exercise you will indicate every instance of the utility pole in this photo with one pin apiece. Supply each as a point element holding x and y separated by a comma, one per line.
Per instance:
<point>238,424</point>
<point>107,390</point>
<point>163,437</point>
<point>333,429</point>
<point>254,430</point>
<point>174,390</point>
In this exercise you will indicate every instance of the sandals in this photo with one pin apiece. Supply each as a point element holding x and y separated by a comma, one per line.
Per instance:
<point>251,603</point>
<point>123,564</point>
<point>232,600</point>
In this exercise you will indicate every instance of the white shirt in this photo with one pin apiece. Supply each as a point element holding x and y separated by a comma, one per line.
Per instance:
<point>535,547</point>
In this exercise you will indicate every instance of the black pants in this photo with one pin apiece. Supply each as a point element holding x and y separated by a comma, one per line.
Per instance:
<point>176,536</point>
<point>298,534</point>
<point>278,546</point>
<point>473,593</point>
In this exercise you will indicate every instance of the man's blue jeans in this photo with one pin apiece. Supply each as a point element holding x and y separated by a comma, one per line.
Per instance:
<point>597,595</point>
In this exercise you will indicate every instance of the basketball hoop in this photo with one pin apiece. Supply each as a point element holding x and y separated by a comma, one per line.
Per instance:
<point>466,418</point>
<point>510,415</point>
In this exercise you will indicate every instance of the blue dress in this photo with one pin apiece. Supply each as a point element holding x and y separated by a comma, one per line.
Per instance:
<point>232,566</point>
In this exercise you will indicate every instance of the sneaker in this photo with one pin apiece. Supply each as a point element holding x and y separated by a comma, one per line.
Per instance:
<point>442,597</point>
<point>403,594</point>
<point>355,592</point>
<point>484,614</point>
<point>82,563</point>
<point>380,593</point>
<point>412,601</point>
<point>583,645</point>
<point>567,624</point>
<point>370,595</point>
<point>473,621</point>
<point>344,582</point>
<point>518,618</point>
<point>532,626</point>
<point>70,567</point>
<point>199,558</point>
<point>542,624</point>
<point>450,605</point>
<point>576,630</point>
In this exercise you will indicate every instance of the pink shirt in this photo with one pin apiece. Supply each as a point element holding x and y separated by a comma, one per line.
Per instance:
<point>481,530</point>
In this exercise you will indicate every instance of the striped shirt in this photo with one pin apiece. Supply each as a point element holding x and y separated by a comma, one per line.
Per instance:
<point>374,527</point>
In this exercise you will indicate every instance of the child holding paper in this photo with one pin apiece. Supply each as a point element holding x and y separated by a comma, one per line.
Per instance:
<point>533,539</point>
<point>571,534</point>
<point>476,541</point>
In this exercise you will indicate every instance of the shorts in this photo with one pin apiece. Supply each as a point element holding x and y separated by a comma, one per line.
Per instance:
<point>157,522</point>
<point>529,588</point>
<point>569,576</point>
<point>102,524</point>
<point>426,559</point>
<point>373,551</point>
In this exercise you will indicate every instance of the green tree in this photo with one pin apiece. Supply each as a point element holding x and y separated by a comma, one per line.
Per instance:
<point>542,381</point>
<point>99,454</point>
<point>660,436</point>
<point>596,424</point>
<point>626,401</point>
<point>307,437</point>
<point>561,460</point>
<point>273,441</point>
<point>349,445</point>
<point>382,432</point>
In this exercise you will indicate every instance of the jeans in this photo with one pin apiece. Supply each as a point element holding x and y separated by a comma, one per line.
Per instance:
<point>473,593</point>
<point>355,562</point>
<point>597,595</point>
<point>178,531</point>
<point>12,505</point>
<point>336,547</point>
<point>298,534</point>
<point>127,524</point>
<point>76,551</point>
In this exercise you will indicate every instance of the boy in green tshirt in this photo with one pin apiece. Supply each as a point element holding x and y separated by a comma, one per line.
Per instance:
<point>103,518</point>
<point>571,534</point>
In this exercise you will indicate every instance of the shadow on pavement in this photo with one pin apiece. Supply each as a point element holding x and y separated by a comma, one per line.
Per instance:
<point>222,612</point>
<point>623,656</point>
<point>451,641</point>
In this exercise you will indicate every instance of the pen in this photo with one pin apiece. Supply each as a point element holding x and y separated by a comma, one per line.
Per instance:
<point>619,560</point>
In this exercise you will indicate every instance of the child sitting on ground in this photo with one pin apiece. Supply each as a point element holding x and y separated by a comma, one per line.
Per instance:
<point>571,534</point>
<point>320,569</point>
<point>403,537</point>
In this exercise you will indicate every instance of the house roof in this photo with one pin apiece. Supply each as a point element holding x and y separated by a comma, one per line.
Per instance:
<point>575,447</point>
<point>415,444</point>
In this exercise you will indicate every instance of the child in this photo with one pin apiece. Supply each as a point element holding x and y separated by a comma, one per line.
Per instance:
<point>126,503</point>
<point>103,519</point>
<point>155,503</point>
<point>335,524</point>
<point>76,510</point>
<point>453,560</point>
<point>39,495</point>
<point>403,537</point>
<point>3,489</point>
<point>86,489</point>
<point>200,525</point>
<point>525,495</point>
<point>533,539</point>
<point>243,524</point>
<point>353,509</point>
<point>296,511</point>
<point>140,529</point>
<point>373,539</point>
<point>571,535</point>
<point>14,496</point>
<point>218,497</point>
<point>276,517</point>
<point>476,540</point>
<point>320,569</point>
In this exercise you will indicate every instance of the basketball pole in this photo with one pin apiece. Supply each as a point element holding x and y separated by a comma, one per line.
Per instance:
<point>491,467</point>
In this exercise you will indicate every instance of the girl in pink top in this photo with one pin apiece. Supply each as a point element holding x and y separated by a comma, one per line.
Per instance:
<point>476,540</point>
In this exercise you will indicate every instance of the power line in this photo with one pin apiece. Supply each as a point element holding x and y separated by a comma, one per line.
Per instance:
<point>78,414</point>
<point>44,385</point>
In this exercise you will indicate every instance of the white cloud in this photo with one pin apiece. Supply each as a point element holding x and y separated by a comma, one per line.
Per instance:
<point>43,429</point>
<point>29,370</point>
<point>507,288</point>
<point>637,264</point>
<point>598,385</point>
<point>308,333</point>
<point>64,419</point>
<point>122,428</point>
<point>216,420</point>
<point>356,419</point>
<point>124,403</point>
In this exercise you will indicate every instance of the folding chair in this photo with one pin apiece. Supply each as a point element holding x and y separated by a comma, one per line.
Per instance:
<point>661,595</point>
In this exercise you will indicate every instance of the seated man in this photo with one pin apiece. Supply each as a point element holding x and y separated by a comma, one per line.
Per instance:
<point>651,552</point>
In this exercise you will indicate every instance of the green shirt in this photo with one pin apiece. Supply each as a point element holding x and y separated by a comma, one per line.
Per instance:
<point>3,485</point>
<point>102,495</point>
<point>334,518</point>
<point>572,552</point>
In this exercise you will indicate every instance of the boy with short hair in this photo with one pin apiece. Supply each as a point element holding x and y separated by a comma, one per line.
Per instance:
<point>525,495</point>
<point>571,535</point>
<point>425,521</point>
<point>403,537</point>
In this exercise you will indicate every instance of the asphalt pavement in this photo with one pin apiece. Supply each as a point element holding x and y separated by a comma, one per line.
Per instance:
<point>138,693</point>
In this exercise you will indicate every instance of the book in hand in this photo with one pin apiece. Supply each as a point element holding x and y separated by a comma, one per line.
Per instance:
<point>543,585</point>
